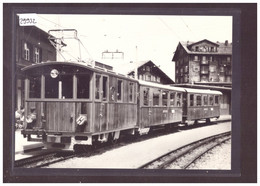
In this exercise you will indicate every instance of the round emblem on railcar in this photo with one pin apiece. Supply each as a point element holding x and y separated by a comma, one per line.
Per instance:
<point>54,73</point>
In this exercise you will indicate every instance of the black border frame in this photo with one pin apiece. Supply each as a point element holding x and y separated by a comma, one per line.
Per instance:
<point>244,94</point>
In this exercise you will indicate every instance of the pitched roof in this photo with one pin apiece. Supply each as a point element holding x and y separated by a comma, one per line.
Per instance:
<point>204,40</point>
<point>223,48</point>
<point>141,63</point>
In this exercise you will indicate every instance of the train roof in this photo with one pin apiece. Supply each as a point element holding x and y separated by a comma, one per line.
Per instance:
<point>202,91</point>
<point>79,64</point>
<point>156,85</point>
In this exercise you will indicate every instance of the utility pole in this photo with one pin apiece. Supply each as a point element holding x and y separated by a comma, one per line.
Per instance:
<point>136,67</point>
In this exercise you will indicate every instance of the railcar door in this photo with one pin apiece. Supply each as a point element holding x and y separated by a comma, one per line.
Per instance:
<point>184,105</point>
<point>145,107</point>
<point>101,103</point>
<point>60,114</point>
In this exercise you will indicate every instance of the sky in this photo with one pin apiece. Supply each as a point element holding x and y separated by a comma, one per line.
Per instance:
<point>140,37</point>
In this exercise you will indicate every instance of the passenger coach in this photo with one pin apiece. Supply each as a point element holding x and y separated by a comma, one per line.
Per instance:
<point>159,104</point>
<point>200,104</point>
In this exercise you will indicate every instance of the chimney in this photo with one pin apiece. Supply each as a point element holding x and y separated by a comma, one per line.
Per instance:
<point>226,43</point>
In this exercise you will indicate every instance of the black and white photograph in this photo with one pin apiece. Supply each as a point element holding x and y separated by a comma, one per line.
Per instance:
<point>125,91</point>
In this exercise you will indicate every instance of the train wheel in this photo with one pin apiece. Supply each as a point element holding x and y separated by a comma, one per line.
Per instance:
<point>208,121</point>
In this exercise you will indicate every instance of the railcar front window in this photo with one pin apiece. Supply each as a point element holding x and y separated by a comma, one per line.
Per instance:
<point>67,87</point>
<point>60,87</point>
<point>51,87</point>
<point>35,87</point>
<point>165,98</point>
<point>83,83</point>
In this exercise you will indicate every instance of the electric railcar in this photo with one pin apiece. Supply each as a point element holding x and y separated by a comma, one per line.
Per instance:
<point>69,104</point>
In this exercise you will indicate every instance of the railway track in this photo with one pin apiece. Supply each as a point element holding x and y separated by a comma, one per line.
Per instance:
<point>43,159</point>
<point>48,158</point>
<point>183,157</point>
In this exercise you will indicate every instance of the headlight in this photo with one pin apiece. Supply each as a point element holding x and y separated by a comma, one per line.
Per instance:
<point>54,73</point>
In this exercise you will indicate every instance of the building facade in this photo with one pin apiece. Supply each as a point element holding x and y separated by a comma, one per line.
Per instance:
<point>205,64</point>
<point>32,46</point>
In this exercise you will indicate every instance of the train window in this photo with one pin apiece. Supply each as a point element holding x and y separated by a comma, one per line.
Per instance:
<point>205,100</point>
<point>61,87</point>
<point>198,100</point>
<point>156,97</point>
<point>105,86</point>
<point>51,87</point>
<point>131,92</point>
<point>211,101</point>
<point>97,90</point>
<point>35,87</point>
<point>67,86</point>
<point>172,99</point>
<point>165,98</point>
<point>119,90</point>
<point>83,83</point>
<point>216,100</point>
<point>179,97</point>
<point>146,96</point>
<point>191,100</point>
<point>112,93</point>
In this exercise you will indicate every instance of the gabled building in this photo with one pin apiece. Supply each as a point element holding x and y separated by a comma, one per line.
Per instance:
<point>32,46</point>
<point>148,71</point>
<point>203,62</point>
<point>206,65</point>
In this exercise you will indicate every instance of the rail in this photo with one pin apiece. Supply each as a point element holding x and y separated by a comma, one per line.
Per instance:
<point>167,159</point>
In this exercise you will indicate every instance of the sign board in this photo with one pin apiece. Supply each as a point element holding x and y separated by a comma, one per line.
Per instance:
<point>27,19</point>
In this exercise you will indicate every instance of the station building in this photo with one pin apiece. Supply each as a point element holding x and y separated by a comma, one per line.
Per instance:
<point>148,71</point>
<point>206,65</point>
<point>32,46</point>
